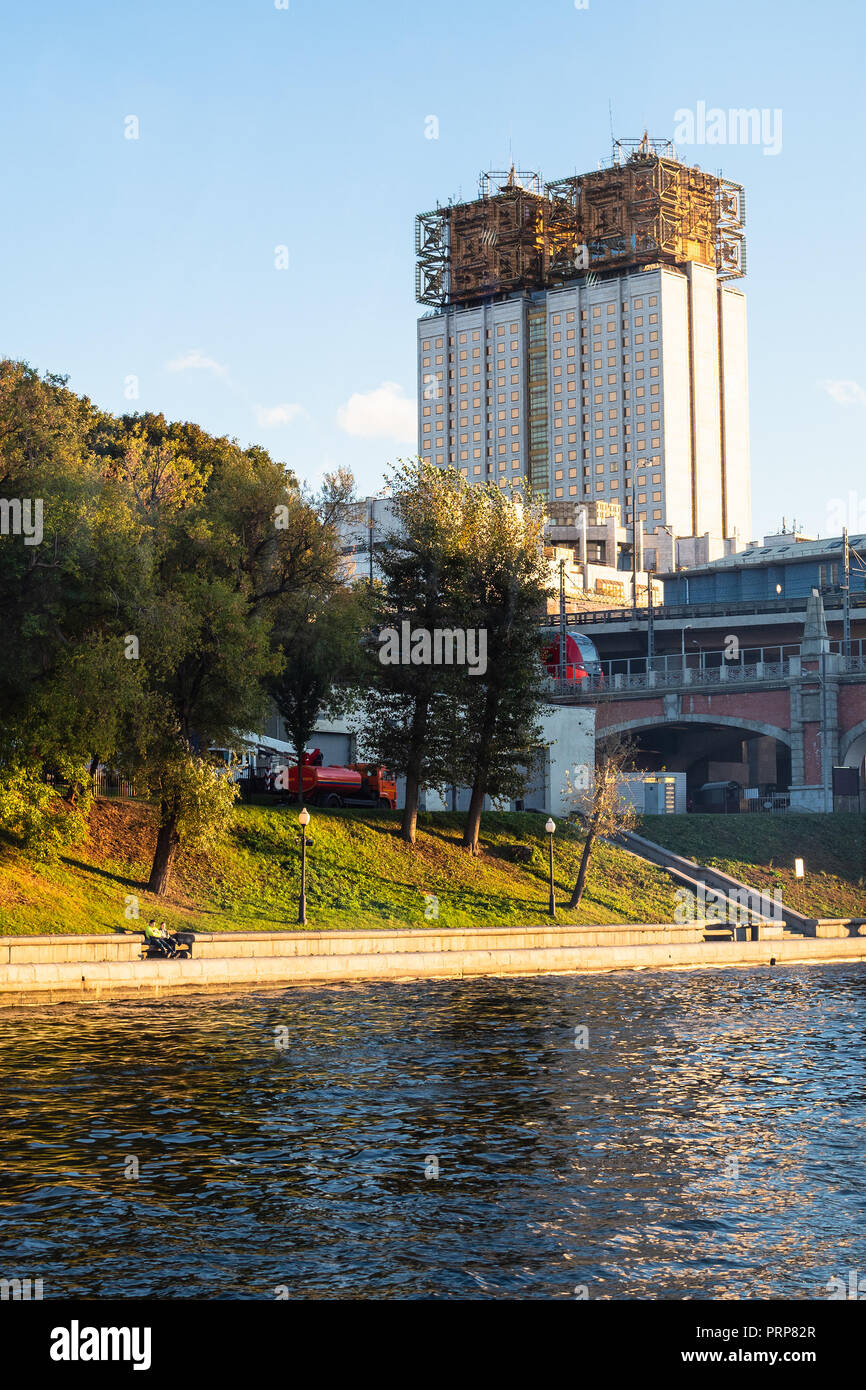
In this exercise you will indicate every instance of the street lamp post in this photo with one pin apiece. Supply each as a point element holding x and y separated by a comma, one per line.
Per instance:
<point>303,822</point>
<point>550,828</point>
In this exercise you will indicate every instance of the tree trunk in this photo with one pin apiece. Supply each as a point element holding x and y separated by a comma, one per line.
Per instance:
<point>473,818</point>
<point>410,810</point>
<point>577,894</point>
<point>167,842</point>
<point>299,754</point>
<point>417,735</point>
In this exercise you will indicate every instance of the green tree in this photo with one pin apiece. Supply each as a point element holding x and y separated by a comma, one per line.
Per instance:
<point>232,538</point>
<point>323,660</point>
<point>195,796</point>
<point>63,593</point>
<point>504,589</point>
<point>137,626</point>
<point>421,561</point>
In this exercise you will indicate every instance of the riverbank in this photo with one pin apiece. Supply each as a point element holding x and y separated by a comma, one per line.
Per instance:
<point>360,874</point>
<point>42,970</point>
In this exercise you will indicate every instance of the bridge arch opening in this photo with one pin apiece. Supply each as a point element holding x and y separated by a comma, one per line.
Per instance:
<point>757,758</point>
<point>854,750</point>
<point>854,755</point>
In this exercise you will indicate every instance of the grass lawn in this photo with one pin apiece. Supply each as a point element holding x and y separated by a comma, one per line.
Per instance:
<point>761,849</point>
<point>360,875</point>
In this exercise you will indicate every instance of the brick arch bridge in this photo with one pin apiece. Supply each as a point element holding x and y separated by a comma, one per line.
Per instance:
<point>801,707</point>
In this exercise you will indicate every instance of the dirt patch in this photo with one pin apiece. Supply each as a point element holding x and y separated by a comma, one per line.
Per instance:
<point>122,832</point>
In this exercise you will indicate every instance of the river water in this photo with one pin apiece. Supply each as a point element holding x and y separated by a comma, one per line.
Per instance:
<point>694,1134</point>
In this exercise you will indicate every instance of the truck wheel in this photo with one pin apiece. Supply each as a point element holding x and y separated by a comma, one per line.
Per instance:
<point>333,800</point>
<point>384,803</point>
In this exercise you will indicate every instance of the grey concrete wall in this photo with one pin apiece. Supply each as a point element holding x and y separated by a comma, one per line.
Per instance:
<point>37,981</point>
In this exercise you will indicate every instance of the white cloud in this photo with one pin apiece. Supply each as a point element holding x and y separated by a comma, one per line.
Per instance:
<point>845,392</point>
<point>270,415</point>
<point>196,360</point>
<point>383,413</point>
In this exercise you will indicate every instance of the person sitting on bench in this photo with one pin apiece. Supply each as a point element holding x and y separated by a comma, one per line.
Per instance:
<point>158,938</point>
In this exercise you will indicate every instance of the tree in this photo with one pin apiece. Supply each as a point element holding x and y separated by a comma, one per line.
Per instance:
<point>65,586</point>
<point>233,540</point>
<point>504,584</point>
<point>601,805</point>
<point>196,799</point>
<point>323,660</point>
<point>421,561</point>
<point>137,625</point>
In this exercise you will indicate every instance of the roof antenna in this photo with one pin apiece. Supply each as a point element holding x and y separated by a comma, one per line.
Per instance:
<point>612,137</point>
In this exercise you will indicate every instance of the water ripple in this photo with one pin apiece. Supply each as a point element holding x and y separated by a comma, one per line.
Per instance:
<point>443,1139</point>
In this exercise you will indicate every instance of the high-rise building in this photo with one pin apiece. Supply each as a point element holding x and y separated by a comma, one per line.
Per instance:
<point>583,337</point>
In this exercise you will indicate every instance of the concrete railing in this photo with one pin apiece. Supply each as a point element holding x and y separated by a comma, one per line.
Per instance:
<point>87,950</point>
<point>692,874</point>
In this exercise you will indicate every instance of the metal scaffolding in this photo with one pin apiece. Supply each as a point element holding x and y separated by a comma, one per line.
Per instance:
<point>644,208</point>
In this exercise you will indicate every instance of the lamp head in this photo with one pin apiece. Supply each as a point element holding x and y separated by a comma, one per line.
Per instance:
<point>304,817</point>
<point>551,826</point>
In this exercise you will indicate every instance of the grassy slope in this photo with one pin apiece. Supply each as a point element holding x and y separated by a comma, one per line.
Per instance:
<point>360,874</point>
<point>760,850</point>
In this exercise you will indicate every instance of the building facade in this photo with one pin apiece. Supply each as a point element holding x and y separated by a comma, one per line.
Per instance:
<point>784,567</point>
<point>625,384</point>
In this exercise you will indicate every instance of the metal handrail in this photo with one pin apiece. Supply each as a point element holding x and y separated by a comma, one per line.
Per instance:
<point>675,676</point>
<point>716,608</point>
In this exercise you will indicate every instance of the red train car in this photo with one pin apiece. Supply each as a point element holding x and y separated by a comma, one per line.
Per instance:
<point>582,663</point>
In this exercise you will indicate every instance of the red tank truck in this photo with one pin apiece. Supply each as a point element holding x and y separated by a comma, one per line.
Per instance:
<point>359,784</point>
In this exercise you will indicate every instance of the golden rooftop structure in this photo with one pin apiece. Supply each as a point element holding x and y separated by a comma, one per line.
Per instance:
<point>644,208</point>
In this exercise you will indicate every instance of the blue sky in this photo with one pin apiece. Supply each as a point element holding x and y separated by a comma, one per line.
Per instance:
<point>258,127</point>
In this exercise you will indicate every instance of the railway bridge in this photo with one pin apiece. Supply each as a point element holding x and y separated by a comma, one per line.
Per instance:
<point>780,718</point>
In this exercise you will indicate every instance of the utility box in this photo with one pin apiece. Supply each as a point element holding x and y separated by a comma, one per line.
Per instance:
<point>655,793</point>
<point>660,796</point>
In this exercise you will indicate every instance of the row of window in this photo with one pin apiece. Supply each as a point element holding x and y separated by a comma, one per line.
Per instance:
<point>474,335</point>
<point>498,364</point>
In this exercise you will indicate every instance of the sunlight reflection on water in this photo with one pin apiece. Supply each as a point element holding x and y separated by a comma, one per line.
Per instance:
<point>707,1144</point>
